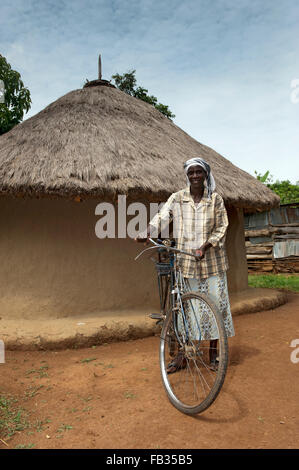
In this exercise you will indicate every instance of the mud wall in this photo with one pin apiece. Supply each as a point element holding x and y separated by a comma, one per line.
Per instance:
<point>53,265</point>
<point>237,274</point>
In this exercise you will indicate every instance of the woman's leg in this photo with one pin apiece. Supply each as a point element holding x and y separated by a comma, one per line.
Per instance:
<point>213,349</point>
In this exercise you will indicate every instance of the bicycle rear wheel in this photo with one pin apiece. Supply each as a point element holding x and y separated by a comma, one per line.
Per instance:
<point>194,386</point>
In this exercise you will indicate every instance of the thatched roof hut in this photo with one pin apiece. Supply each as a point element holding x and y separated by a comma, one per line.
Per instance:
<point>91,145</point>
<point>99,142</point>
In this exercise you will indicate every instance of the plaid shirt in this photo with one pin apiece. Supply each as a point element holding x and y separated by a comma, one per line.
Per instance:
<point>194,225</point>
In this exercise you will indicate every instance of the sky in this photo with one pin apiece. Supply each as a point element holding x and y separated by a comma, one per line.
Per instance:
<point>227,69</point>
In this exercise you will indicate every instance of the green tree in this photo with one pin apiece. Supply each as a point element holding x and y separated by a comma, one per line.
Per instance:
<point>128,83</point>
<point>16,97</point>
<point>288,192</point>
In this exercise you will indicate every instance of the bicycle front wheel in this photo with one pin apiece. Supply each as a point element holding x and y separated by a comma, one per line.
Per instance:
<point>188,333</point>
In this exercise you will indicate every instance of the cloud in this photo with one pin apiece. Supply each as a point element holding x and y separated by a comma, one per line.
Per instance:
<point>223,67</point>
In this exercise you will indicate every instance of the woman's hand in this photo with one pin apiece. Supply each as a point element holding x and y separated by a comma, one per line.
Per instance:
<point>200,252</point>
<point>142,237</point>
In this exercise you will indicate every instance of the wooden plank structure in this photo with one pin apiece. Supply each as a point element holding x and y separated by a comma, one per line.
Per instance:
<point>272,240</point>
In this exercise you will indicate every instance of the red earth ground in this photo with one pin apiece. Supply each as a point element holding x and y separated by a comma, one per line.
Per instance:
<point>111,396</point>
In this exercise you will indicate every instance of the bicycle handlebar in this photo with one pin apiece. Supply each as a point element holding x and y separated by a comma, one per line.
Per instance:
<point>161,245</point>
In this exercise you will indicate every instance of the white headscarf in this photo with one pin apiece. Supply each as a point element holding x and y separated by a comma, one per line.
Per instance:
<point>210,182</point>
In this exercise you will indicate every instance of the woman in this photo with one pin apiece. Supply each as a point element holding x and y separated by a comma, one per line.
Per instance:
<point>200,224</point>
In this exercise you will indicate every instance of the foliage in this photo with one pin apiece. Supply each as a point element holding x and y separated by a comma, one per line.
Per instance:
<point>274,281</point>
<point>128,83</point>
<point>16,97</point>
<point>264,178</point>
<point>288,192</point>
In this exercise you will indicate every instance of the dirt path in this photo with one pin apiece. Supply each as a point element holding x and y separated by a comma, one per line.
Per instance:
<point>111,396</point>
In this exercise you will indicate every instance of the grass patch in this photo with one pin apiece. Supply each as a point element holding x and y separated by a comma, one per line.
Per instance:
<point>274,281</point>
<point>64,427</point>
<point>129,395</point>
<point>12,418</point>
<point>39,425</point>
<point>32,391</point>
<point>24,446</point>
<point>41,372</point>
<point>85,399</point>
<point>88,408</point>
<point>73,410</point>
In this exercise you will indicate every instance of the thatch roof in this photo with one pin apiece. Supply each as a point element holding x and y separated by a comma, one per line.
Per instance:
<point>100,142</point>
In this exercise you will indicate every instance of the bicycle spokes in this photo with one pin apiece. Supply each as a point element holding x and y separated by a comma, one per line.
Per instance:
<point>190,333</point>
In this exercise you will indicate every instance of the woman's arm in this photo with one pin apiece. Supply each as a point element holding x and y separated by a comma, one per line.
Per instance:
<point>202,250</point>
<point>217,238</point>
<point>159,222</point>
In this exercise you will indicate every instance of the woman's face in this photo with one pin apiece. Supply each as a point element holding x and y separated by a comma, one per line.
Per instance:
<point>196,175</point>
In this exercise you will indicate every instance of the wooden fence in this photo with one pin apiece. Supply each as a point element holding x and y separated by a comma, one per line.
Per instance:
<point>272,240</point>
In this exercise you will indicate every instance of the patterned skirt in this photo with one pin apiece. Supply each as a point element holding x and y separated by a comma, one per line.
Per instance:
<point>200,324</point>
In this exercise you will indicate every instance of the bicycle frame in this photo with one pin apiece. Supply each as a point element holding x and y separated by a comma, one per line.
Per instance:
<point>191,381</point>
<point>175,285</point>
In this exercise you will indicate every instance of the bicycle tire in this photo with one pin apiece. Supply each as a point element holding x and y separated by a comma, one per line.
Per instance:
<point>196,359</point>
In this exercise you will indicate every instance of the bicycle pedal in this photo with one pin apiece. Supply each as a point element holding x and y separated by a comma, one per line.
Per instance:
<point>156,316</point>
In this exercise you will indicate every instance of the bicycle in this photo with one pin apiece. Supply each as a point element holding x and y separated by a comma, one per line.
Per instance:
<point>189,320</point>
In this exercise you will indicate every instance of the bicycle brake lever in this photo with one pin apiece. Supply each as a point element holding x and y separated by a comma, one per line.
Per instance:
<point>143,251</point>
